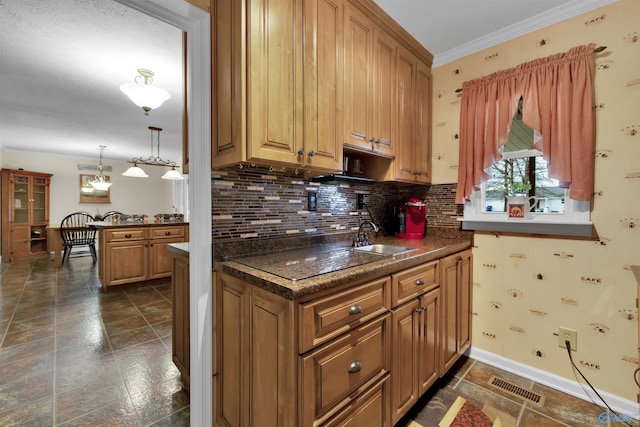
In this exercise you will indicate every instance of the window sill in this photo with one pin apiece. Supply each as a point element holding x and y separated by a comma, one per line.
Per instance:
<point>525,226</point>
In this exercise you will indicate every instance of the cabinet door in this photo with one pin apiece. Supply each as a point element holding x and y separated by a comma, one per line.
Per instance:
<point>358,94</point>
<point>227,143</point>
<point>274,80</point>
<point>21,199</point>
<point>39,200</point>
<point>384,93</point>
<point>323,82</point>
<point>126,262</point>
<point>406,86</point>
<point>405,333</point>
<point>20,241</point>
<point>160,259</point>
<point>180,322</point>
<point>422,135</point>
<point>232,314</point>
<point>455,284</point>
<point>428,353</point>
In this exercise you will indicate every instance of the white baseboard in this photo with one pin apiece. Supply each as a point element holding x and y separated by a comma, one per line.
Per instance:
<point>570,387</point>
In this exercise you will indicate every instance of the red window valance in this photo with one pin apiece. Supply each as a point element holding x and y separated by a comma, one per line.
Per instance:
<point>557,94</point>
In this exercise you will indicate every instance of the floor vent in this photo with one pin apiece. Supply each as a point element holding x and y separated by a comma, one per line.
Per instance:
<point>517,391</point>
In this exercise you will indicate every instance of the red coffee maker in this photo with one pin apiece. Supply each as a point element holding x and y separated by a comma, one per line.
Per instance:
<point>414,212</point>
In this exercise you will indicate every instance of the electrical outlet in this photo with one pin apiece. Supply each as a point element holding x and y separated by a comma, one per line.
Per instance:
<point>565,334</point>
<point>360,201</point>
<point>312,201</point>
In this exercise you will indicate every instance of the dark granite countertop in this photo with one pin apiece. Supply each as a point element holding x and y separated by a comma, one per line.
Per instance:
<point>426,250</point>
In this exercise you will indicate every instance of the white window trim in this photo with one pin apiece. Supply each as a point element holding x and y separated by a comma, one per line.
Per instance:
<point>575,221</point>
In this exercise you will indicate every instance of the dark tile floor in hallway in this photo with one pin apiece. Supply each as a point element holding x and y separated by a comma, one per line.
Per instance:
<point>72,355</point>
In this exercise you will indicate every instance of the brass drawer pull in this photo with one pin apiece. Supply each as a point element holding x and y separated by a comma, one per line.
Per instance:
<point>355,309</point>
<point>355,367</point>
<point>458,258</point>
<point>127,235</point>
<point>167,233</point>
<point>419,282</point>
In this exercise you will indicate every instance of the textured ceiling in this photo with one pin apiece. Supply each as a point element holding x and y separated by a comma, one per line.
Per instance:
<point>62,62</point>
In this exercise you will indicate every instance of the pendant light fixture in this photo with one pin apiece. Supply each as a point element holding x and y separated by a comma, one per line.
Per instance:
<point>142,93</point>
<point>100,182</point>
<point>136,171</point>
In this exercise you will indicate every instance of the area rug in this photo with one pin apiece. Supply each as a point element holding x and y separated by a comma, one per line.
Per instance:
<point>464,414</point>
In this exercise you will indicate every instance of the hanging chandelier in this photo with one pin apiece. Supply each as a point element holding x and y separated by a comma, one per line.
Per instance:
<point>142,93</point>
<point>136,171</point>
<point>100,182</point>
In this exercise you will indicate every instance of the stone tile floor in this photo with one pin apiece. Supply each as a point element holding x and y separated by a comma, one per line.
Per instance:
<point>72,355</point>
<point>469,379</point>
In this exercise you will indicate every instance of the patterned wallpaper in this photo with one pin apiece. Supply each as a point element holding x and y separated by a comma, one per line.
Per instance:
<point>526,288</point>
<point>254,202</point>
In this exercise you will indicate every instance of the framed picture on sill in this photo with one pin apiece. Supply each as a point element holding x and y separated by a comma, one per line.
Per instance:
<point>88,194</point>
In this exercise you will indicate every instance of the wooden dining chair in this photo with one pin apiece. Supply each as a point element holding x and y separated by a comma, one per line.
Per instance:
<point>76,232</point>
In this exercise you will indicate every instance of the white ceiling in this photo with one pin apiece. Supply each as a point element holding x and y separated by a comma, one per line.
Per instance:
<point>62,62</point>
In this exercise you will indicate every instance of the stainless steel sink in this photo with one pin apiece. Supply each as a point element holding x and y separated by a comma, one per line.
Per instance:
<point>381,249</point>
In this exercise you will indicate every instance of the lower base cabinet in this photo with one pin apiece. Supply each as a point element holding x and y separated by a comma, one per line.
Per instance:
<point>455,285</point>
<point>130,254</point>
<point>415,357</point>
<point>180,340</point>
<point>359,355</point>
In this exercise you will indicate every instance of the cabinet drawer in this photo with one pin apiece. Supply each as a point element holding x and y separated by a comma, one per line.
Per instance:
<point>325,318</point>
<point>165,232</point>
<point>412,282</point>
<point>368,409</point>
<point>332,374</point>
<point>125,235</point>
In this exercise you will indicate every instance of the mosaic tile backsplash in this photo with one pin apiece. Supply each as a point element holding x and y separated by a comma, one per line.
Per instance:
<point>254,202</point>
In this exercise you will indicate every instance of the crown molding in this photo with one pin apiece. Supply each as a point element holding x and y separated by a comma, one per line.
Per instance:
<point>529,25</point>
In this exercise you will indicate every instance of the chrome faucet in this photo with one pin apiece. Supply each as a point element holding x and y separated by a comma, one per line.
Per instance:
<point>361,238</point>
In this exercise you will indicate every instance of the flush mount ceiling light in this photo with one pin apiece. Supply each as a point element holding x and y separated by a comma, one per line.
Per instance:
<point>142,93</point>
<point>136,171</point>
<point>100,182</point>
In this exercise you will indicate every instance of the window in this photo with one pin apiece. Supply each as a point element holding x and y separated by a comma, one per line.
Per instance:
<point>523,171</point>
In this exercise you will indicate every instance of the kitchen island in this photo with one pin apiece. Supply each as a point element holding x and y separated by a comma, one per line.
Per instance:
<point>298,345</point>
<point>136,252</point>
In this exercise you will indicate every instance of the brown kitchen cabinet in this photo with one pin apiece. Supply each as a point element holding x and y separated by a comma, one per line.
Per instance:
<point>259,360</point>
<point>360,354</point>
<point>413,154</point>
<point>370,72</point>
<point>25,214</point>
<point>180,339</point>
<point>278,90</point>
<point>455,284</point>
<point>415,335</point>
<point>135,253</point>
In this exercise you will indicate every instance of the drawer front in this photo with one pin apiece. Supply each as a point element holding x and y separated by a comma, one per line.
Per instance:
<point>368,409</point>
<point>332,373</point>
<point>412,282</point>
<point>325,318</point>
<point>166,232</point>
<point>125,235</point>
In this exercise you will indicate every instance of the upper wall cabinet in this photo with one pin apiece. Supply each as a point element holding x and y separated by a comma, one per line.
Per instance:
<point>277,90</point>
<point>370,72</point>
<point>413,156</point>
